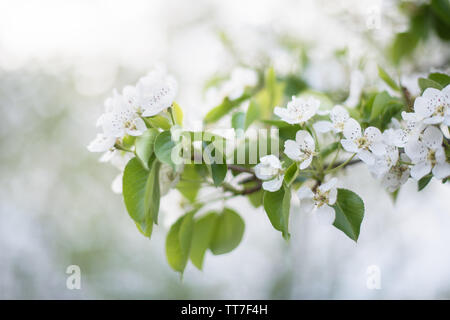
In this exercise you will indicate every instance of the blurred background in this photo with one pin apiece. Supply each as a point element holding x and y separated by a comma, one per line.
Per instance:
<point>59,60</point>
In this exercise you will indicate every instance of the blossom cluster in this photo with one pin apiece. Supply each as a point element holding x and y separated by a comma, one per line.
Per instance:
<point>125,115</point>
<point>412,147</point>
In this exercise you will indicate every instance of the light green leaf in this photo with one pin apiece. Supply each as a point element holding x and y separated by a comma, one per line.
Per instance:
<point>163,148</point>
<point>238,120</point>
<point>277,206</point>
<point>387,79</point>
<point>178,242</point>
<point>203,233</point>
<point>190,182</point>
<point>253,114</point>
<point>177,114</point>
<point>349,209</point>
<point>145,146</point>
<point>159,122</point>
<point>224,108</point>
<point>228,232</point>
<point>137,186</point>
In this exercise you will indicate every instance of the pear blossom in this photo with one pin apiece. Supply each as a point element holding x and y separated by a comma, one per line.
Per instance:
<point>302,149</point>
<point>122,120</point>
<point>397,175</point>
<point>269,170</point>
<point>299,110</point>
<point>338,117</point>
<point>101,143</point>
<point>385,162</point>
<point>367,145</point>
<point>434,106</point>
<point>428,155</point>
<point>320,200</point>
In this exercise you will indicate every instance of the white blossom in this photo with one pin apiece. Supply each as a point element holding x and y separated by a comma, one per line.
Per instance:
<point>397,175</point>
<point>121,119</point>
<point>101,143</point>
<point>302,149</point>
<point>367,145</point>
<point>385,162</point>
<point>356,87</point>
<point>269,170</point>
<point>428,155</point>
<point>299,110</point>
<point>338,116</point>
<point>324,196</point>
<point>433,107</point>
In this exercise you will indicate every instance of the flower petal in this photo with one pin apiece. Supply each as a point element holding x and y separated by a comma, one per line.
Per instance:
<point>274,184</point>
<point>441,170</point>
<point>305,193</point>
<point>325,215</point>
<point>349,145</point>
<point>305,140</point>
<point>420,170</point>
<point>432,137</point>
<point>305,163</point>
<point>366,156</point>
<point>352,129</point>
<point>322,126</point>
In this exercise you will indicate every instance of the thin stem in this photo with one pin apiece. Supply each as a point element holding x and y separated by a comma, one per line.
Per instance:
<point>406,162</point>
<point>342,164</point>
<point>334,158</point>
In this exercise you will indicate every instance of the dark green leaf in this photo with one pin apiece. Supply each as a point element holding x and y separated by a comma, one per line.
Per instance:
<point>228,232</point>
<point>441,78</point>
<point>379,104</point>
<point>422,183</point>
<point>428,83</point>
<point>277,206</point>
<point>291,173</point>
<point>349,209</point>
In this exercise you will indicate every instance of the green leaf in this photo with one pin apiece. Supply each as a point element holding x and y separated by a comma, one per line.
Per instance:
<point>212,153</point>
<point>387,79</point>
<point>277,206</point>
<point>203,233</point>
<point>228,232</point>
<point>442,9</point>
<point>379,104</point>
<point>163,148</point>
<point>428,83</point>
<point>441,78</point>
<point>238,120</point>
<point>394,195</point>
<point>138,186</point>
<point>152,192</point>
<point>159,122</point>
<point>190,182</point>
<point>145,146</point>
<point>349,209</point>
<point>177,114</point>
<point>422,183</point>
<point>403,46</point>
<point>224,108</point>
<point>252,114</point>
<point>178,242</point>
<point>291,173</point>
